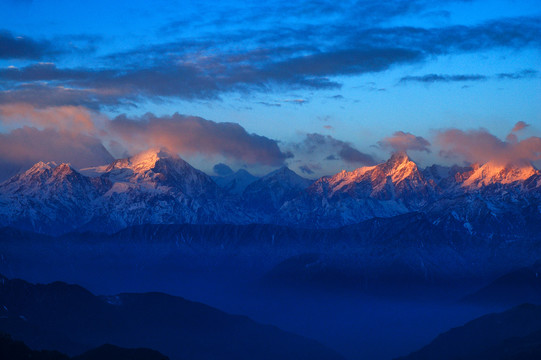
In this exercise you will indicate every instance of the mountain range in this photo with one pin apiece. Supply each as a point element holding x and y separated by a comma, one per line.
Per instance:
<point>157,187</point>
<point>71,319</point>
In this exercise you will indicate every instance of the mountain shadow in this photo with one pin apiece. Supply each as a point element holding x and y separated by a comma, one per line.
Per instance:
<point>17,350</point>
<point>520,286</point>
<point>176,327</point>
<point>511,335</point>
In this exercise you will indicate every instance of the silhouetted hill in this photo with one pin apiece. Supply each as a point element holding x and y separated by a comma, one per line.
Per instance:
<point>17,350</point>
<point>517,287</point>
<point>111,352</point>
<point>510,335</point>
<point>172,325</point>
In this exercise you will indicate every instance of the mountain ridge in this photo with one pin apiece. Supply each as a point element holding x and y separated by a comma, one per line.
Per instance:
<point>158,187</point>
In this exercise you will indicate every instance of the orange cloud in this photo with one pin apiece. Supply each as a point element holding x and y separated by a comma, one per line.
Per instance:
<point>481,146</point>
<point>195,135</point>
<point>519,126</point>
<point>73,119</point>
<point>23,147</point>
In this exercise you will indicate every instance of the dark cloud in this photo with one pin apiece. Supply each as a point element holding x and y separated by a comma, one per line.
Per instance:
<point>432,78</point>
<point>20,47</point>
<point>351,155</point>
<point>306,170</point>
<point>293,55</point>
<point>523,74</point>
<point>481,146</point>
<point>43,95</point>
<point>45,71</point>
<point>510,33</point>
<point>402,141</point>
<point>317,143</point>
<point>195,135</point>
<point>342,62</point>
<point>222,169</point>
<point>269,104</point>
<point>296,101</point>
<point>23,147</point>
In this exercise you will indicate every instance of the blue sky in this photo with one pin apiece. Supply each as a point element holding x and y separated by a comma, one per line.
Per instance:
<point>261,85</point>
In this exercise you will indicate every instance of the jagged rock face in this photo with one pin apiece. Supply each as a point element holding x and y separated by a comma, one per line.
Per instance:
<point>388,189</point>
<point>397,179</point>
<point>157,187</point>
<point>235,183</point>
<point>160,188</point>
<point>156,169</point>
<point>266,195</point>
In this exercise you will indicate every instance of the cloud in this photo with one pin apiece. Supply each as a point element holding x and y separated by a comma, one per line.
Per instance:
<point>523,74</point>
<point>296,101</point>
<point>304,55</point>
<point>402,141</point>
<point>23,147</point>
<point>512,136</point>
<point>188,135</point>
<point>195,135</point>
<point>222,169</point>
<point>306,169</point>
<point>432,78</point>
<point>481,146</point>
<point>22,47</point>
<point>519,126</point>
<point>269,104</point>
<point>315,143</point>
<point>73,119</point>
<point>43,95</point>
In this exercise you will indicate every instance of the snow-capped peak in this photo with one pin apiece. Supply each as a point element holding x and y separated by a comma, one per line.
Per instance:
<point>40,167</point>
<point>399,167</point>
<point>399,157</point>
<point>143,161</point>
<point>40,173</point>
<point>493,173</point>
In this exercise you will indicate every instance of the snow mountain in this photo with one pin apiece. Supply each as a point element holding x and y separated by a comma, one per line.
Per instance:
<point>157,187</point>
<point>48,197</point>
<point>394,187</point>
